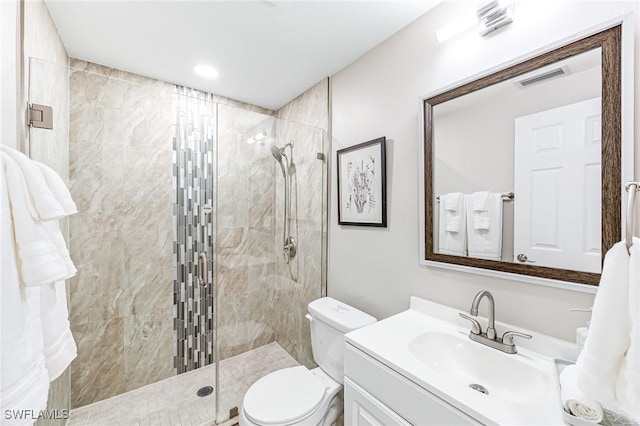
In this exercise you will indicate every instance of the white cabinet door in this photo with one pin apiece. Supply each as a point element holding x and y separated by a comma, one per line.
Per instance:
<point>362,409</point>
<point>557,185</point>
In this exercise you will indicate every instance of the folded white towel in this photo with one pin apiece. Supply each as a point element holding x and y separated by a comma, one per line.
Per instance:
<point>24,381</point>
<point>43,257</point>
<point>480,200</point>
<point>454,210</point>
<point>574,401</point>
<point>485,242</point>
<point>481,212</point>
<point>628,382</point>
<point>599,362</point>
<point>452,235</point>
<point>452,201</point>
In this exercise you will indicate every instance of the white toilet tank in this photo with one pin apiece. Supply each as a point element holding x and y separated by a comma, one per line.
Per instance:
<point>330,320</point>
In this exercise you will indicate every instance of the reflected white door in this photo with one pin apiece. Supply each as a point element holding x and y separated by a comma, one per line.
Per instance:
<point>557,185</point>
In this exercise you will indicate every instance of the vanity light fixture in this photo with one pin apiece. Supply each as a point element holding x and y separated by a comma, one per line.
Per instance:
<point>492,15</point>
<point>206,71</point>
<point>488,16</point>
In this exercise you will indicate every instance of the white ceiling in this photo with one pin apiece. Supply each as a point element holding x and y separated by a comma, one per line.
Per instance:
<point>267,52</point>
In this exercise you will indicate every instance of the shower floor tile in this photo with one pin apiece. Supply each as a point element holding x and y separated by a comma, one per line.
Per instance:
<point>173,401</point>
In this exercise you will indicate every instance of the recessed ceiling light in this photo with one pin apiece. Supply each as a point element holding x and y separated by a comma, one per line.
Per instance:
<point>206,71</point>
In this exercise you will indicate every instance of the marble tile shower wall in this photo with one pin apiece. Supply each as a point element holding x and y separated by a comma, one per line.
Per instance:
<point>121,239</point>
<point>121,160</point>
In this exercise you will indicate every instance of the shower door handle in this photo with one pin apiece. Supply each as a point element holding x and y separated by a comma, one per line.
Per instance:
<point>203,271</point>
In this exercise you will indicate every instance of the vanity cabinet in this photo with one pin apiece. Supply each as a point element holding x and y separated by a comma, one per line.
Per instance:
<point>375,394</point>
<point>361,408</point>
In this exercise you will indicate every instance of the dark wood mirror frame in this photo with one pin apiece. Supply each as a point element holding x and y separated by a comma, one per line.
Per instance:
<point>610,42</point>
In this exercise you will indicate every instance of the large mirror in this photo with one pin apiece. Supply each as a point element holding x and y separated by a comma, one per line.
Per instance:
<point>522,167</point>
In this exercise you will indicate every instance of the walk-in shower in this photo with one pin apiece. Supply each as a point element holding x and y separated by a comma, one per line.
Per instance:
<point>289,243</point>
<point>166,181</point>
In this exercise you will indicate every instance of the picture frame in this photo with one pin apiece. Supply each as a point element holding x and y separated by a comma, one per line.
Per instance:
<point>362,184</point>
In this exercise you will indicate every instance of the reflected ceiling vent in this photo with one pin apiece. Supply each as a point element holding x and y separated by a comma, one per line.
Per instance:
<point>544,76</point>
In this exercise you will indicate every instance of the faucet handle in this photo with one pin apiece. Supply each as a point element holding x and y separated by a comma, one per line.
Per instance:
<point>507,338</point>
<point>475,325</point>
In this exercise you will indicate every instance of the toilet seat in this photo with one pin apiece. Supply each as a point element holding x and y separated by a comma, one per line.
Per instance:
<point>284,396</point>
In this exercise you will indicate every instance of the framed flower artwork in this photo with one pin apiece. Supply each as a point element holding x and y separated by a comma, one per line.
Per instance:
<point>362,184</point>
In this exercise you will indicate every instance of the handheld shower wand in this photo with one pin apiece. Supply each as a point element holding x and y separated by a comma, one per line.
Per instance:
<point>289,248</point>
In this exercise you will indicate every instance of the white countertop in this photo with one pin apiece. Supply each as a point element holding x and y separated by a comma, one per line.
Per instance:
<point>387,341</point>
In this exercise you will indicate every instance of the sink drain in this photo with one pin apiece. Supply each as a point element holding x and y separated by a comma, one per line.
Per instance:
<point>205,391</point>
<point>479,388</point>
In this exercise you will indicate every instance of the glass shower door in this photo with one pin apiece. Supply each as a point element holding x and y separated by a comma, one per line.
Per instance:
<point>263,294</point>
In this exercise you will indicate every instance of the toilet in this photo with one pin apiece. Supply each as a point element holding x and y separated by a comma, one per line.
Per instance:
<point>297,395</point>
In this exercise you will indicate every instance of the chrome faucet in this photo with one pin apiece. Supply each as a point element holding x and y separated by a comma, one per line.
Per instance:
<point>489,338</point>
<point>491,327</point>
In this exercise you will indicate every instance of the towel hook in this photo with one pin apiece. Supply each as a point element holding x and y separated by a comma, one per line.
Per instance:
<point>631,188</point>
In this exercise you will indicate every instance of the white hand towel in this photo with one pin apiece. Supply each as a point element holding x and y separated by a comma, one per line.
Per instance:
<point>486,242</point>
<point>450,241</point>
<point>481,210</point>
<point>574,401</point>
<point>59,347</point>
<point>454,210</point>
<point>628,382</point>
<point>41,260</point>
<point>599,362</point>
<point>24,382</point>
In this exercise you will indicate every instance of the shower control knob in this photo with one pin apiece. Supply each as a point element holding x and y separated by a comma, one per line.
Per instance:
<point>290,249</point>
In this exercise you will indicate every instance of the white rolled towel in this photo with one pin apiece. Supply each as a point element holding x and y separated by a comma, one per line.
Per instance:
<point>574,401</point>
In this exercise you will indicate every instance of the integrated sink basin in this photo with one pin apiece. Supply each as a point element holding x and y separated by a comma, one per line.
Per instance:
<point>429,345</point>
<point>469,364</point>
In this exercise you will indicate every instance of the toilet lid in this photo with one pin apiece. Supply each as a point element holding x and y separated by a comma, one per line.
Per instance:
<point>283,396</point>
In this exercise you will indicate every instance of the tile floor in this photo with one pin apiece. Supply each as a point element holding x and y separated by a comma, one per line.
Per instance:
<point>173,401</point>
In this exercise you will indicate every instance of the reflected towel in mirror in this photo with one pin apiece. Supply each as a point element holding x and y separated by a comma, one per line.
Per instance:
<point>452,235</point>
<point>481,212</point>
<point>454,211</point>
<point>485,242</point>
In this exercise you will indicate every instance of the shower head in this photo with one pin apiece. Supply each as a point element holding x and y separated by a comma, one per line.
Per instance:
<point>278,153</point>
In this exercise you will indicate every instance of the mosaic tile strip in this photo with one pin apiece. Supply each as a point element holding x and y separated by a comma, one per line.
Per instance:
<point>193,146</point>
